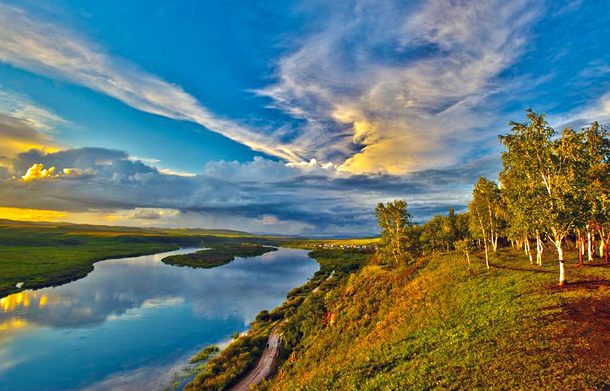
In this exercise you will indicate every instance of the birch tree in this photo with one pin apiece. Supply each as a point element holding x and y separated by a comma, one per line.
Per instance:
<point>484,214</point>
<point>549,175</point>
<point>394,221</point>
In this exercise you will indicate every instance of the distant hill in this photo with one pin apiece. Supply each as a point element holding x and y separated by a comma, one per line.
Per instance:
<point>83,228</point>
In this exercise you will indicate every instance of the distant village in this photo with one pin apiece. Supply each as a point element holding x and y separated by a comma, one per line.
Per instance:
<point>347,246</point>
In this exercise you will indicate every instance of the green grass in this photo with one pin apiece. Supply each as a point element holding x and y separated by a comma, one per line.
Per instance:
<point>219,255</point>
<point>435,325</point>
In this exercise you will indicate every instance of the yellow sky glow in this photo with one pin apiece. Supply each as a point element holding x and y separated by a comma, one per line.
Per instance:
<point>24,214</point>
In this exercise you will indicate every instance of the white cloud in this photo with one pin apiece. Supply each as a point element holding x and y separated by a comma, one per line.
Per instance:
<point>415,108</point>
<point>21,107</point>
<point>24,125</point>
<point>381,86</point>
<point>54,51</point>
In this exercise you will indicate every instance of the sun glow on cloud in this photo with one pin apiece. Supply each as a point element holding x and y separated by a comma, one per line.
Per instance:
<point>37,171</point>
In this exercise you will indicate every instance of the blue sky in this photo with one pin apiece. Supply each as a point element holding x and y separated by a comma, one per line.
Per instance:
<point>279,116</point>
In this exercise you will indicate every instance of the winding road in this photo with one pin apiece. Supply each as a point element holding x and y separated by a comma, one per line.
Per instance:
<point>265,365</point>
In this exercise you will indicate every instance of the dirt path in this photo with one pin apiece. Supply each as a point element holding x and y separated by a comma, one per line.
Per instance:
<point>265,365</point>
<point>316,289</point>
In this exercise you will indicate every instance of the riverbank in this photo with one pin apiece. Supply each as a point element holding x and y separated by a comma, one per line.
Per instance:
<point>434,324</point>
<point>235,362</point>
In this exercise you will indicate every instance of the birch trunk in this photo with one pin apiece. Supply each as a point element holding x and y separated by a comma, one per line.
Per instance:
<point>527,250</point>
<point>590,252</point>
<point>562,277</point>
<point>581,248</point>
<point>539,250</point>
<point>486,254</point>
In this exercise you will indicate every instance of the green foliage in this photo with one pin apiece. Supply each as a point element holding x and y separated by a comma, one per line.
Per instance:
<point>438,234</point>
<point>205,354</point>
<point>555,184</point>
<point>263,316</point>
<point>394,221</point>
<point>233,362</point>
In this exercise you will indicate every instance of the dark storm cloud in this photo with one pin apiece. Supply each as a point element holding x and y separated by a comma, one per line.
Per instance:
<point>324,200</point>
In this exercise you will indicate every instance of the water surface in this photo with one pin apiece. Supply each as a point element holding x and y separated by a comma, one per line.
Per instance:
<point>132,319</point>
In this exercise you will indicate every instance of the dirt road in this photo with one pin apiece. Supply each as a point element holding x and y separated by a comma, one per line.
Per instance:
<point>265,365</point>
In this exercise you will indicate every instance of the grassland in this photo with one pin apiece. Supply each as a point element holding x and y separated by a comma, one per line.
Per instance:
<point>435,325</point>
<point>46,254</point>
<point>219,255</point>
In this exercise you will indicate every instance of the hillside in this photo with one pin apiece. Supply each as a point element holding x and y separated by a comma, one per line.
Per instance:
<point>436,325</point>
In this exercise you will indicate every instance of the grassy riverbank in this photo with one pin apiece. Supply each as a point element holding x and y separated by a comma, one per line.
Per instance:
<point>219,255</point>
<point>234,362</point>
<point>433,324</point>
<point>40,255</point>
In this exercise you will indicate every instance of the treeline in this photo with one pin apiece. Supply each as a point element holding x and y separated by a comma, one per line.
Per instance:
<point>554,189</point>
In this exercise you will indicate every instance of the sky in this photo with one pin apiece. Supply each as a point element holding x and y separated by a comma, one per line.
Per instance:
<point>284,117</point>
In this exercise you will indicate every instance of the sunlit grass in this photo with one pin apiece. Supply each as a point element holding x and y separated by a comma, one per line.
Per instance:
<point>437,325</point>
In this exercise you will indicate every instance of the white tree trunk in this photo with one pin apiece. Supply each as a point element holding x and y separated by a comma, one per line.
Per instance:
<point>558,242</point>
<point>486,254</point>
<point>539,250</point>
<point>589,249</point>
<point>528,252</point>
<point>562,277</point>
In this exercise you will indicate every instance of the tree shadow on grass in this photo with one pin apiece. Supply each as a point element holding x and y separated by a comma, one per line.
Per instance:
<point>590,318</point>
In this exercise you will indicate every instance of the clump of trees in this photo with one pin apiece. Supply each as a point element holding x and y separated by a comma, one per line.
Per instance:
<point>556,185</point>
<point>554,188</point>
<point>401,240</point>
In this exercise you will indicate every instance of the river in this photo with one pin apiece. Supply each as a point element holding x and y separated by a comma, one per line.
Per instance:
<point>132,322</point>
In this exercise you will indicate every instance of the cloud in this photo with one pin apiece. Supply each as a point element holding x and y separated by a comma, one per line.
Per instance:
<point>257,196</point>
<point>377,87</point>
<point>144,214</point>
<point>20,107</point>
<point>37,171</point>
<point>24,125</point>
<point>47,49</point>
<point>404,84</point>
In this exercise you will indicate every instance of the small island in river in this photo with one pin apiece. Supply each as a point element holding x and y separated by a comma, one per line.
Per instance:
<point>218,256</point>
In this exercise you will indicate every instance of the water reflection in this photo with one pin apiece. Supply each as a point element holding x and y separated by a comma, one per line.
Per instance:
<point>139,309</point>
